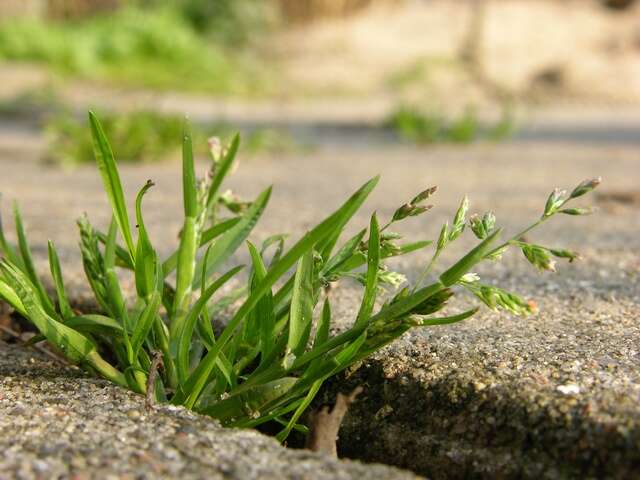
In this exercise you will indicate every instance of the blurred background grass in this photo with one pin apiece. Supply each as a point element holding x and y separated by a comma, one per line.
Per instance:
<point>423,71</point>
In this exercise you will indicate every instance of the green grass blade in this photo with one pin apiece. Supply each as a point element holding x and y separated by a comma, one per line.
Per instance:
<point>112,284</point>
<point>94,323</point>
<point>253,400</point>
<point>313,391</point>
<point>145,322</point>
<point>322,335</point>
<point>56,274</point>
<point>325,247</point>
<point>121,254</point>
<point>189,187</point>
<point>229,242</point>
<point>111,180</point>
<point>12,298</point>
<point>222,170</point>
<point>373,264</point>
<point>7,250</point>
<point>75,346</point>
<point>301,313</point>
<point>29,267</point>
<point>263,315</point>
<point>146,264</point>
<point>192,389</point>
<point>344,253</point>
<point>427,322</point>
<point>462,266</point>
<point>191,319</point>
<point>171,263</point>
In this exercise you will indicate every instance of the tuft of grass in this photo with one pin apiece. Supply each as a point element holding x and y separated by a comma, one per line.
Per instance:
<point>154,48</point>
<point>276,350</point>
<point>147,136</point>
<point>415,126</point>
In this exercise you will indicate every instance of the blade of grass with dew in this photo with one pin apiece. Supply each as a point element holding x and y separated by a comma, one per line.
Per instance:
<point>111,180</point>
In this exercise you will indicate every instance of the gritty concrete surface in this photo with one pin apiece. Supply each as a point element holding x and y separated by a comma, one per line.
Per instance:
<point>553,395</point>
<point>58,423</point>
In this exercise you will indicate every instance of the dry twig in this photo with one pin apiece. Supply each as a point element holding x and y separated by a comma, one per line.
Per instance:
<point>325,424</point>
<point>156,363</point>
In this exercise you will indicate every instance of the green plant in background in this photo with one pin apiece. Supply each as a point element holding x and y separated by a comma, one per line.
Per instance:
<point>153,47</point>
<point>146,136</point>
<point>274,353</point>
<point>422,128</point>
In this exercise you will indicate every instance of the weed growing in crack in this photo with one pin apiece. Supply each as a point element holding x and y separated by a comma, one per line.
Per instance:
<point>275,352</point>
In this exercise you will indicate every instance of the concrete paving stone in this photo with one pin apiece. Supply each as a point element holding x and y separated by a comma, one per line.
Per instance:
<point>553,395</point>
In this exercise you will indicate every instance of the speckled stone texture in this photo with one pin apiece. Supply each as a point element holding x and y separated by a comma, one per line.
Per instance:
<point>553,395</point>
<point>57,423</point>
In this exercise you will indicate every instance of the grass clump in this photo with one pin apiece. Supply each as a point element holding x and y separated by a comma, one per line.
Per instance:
<point>154,48</point>
<point>147,136</point>
<point>415,126</point>
<point>274,353</point>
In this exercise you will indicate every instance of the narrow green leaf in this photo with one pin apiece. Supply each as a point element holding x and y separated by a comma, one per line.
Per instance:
<point>322,335</point>
<point>344,253</point>
<point>326,246</point>
<point>93,323</point>
<point>313,391</point>
<point>12,298</point>
<point>145,322</point>
<point>221,172</point>
<point>263,316</point>
<point>112,285</point>
<point>301,314</point>
<point>75,346</point>
<point>229,242</point>
<point>189,187</point>
<point>462,266</point>
<point>7,250</point>
<point>171,263</point>
<point>186,334</point>
<point>56,274</point>
<point>252,402</point>
<point>373,264</point>
<point>146,264</point>
<point>111,180</point>
<point>29,268</point>
<point>427,322</point>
